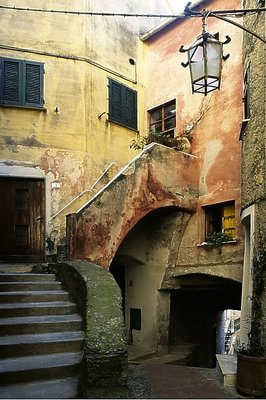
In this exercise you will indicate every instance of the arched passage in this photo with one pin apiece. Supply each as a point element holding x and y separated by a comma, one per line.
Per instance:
<point>139,268</point>
<point>186,316</point>
<point>197,308</point>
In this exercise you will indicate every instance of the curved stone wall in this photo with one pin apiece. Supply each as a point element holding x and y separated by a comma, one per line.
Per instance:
<point>105,349</point>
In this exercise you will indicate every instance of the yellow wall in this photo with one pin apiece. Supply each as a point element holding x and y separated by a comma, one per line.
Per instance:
<point>68,141</point>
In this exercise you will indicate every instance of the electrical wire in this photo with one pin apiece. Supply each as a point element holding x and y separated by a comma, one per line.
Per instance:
<point>231,13</point>
<point>91,13</point>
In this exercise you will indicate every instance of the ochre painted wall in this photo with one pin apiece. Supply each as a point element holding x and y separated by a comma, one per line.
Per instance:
<point>68,142</point>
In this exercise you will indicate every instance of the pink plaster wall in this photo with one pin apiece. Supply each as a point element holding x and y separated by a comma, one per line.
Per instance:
<point>160,177</point>
<point>163,177</point>
<point>215,140</point>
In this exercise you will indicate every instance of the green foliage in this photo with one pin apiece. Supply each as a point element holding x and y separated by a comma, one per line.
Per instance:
<point>138,144</point>
<point>259,277</point>
<point>255,347</point>
<point>157,137</point>
<point>216,239</point>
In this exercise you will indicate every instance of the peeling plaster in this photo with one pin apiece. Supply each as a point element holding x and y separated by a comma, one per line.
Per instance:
<point>96,233</point>
<point>211,152</point>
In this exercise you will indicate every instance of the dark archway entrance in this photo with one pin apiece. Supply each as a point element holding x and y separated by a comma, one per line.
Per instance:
<point>139,268</point>
<point>118,272</point>
<point>166,313</point>
<point>197,317</point>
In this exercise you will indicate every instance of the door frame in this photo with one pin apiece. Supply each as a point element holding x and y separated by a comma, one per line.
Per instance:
<point>30,257</point>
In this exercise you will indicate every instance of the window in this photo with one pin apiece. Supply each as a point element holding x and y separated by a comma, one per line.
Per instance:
<point>163,119</point>
<point>122,104</point>
<point>21,83</point>
<point>220,218</point>
<point>246,95</point>
<point>135,319</point>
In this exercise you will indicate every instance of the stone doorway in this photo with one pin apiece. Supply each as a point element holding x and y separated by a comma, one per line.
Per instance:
<point>22,219</point>
<point>197,317</point>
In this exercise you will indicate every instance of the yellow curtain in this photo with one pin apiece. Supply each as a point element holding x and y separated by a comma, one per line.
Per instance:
<point>228,220</point>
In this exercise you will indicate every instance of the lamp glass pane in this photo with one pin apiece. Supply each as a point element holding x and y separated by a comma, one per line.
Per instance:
<point>196,53</point>
<point>214,55</point>
<point>197,70</point>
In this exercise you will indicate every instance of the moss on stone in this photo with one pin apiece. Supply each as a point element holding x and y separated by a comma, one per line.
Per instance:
<point>99,297</point>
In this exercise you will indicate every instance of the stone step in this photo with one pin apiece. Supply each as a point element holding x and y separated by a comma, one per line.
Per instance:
<point>16,277</point>
<point>34,296</point>
<point>40,324</point>
<point>65,388</point>
<point>226,366</point>
<point>18,267</point>
<point>26,369</point>
<point>37,308</point>
<point>30,286</point>
<point>41,337</point>
<point>45,343</point>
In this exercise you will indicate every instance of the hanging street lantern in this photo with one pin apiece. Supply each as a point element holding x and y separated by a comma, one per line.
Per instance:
<point>205,62</point>
<point>205,57</point>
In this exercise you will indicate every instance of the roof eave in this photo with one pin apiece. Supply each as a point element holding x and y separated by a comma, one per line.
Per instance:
<point>167,22</point>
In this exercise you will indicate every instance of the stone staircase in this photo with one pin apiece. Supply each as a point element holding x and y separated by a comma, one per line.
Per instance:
<point>41,338</point>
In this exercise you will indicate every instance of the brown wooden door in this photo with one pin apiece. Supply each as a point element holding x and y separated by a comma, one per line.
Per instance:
<point>22,219</point>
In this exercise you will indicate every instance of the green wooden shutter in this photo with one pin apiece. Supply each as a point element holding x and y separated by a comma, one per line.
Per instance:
<point>21,83</point>
<point>10,82</point>
<point>33,84</point>
<point>122,104</point>
<point>115,101</point>
<point>130,108</point>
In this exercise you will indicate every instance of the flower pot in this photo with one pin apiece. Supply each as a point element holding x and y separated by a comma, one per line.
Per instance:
<point>250,375</point>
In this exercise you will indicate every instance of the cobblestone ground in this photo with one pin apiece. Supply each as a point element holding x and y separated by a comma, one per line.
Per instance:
<point>139,385</point>
<point>176,382</point>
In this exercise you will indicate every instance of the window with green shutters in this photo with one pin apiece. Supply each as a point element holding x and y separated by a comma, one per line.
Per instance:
<point>122,104</point>
<point>21,83</point>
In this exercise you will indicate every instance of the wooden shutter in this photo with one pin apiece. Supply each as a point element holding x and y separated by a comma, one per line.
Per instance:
<point>33,78</point>
<point>115,101</point>
<point>228,220</point>
<point>130,108</point>
<point>10,81</point>
<point>21,83</point>
<point>122,104</point>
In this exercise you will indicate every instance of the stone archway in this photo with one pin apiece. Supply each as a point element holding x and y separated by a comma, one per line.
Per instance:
<point>184,315</point>
<point>196,317</point>
<point>139,267</point>
<point>96,231</point>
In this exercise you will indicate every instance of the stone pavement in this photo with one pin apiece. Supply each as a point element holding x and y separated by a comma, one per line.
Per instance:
<point>178,382</point>
<point>164,381</point>
<point>162,378</point>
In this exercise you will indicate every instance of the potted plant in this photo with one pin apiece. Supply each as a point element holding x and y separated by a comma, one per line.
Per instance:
<point>250,377</point>
<point>250,374</point>
<point>181,143</point>
<point>216,239</point>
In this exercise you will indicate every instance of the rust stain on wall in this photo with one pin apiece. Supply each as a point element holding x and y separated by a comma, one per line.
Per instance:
<point>99,231</point>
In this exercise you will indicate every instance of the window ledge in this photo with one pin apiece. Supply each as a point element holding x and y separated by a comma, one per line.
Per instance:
<point>206,244</point>
<point>24,107</point>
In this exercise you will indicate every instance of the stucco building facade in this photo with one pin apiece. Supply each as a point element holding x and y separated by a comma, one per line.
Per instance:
<point>253,182</point>
<point>165,202</point>
<point>71,145</point>
<point>86,87</point>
